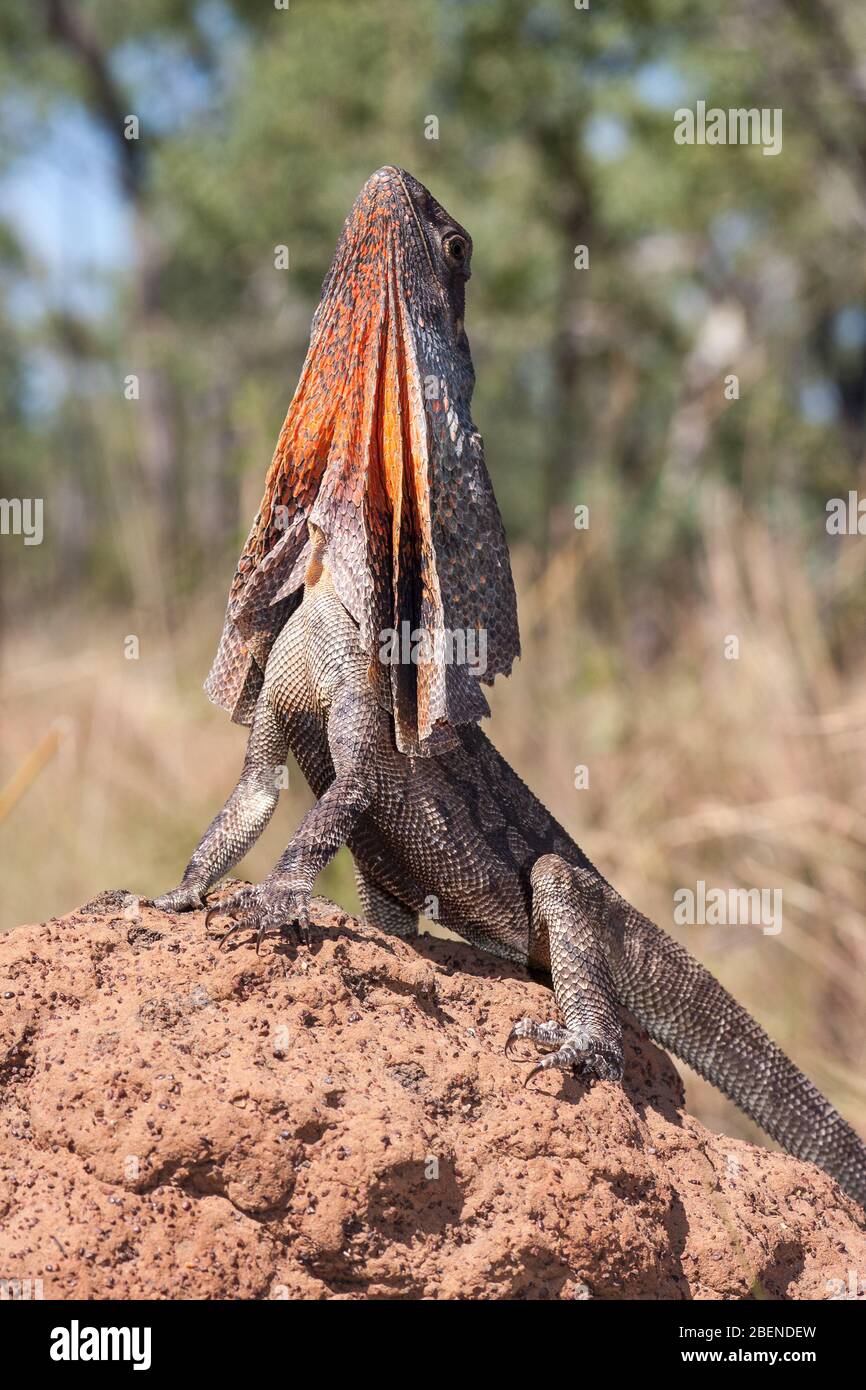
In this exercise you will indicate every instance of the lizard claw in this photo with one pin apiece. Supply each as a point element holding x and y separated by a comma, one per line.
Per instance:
<point>593,1058</point>
<point>544,1035</point>
<point>180,899</point>
<point>211,913</point>
<point>264,910</point>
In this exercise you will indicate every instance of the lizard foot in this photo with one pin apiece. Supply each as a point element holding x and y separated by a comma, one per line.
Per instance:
<point>180,899</point>
<point>264,910</point>
<point>568,1049</point>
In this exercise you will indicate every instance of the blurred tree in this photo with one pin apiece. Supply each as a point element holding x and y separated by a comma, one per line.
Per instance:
<point>602,384</point>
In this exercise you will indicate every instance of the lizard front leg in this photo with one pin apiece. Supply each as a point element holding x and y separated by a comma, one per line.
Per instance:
<point>569,912</point>
<point>282,900</point>
<point>243,818</point>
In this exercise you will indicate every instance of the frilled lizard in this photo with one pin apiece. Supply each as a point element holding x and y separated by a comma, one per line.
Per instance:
<point>379,518</point>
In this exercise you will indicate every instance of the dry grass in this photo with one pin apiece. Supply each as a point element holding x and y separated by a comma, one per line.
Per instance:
<point>746,772</point>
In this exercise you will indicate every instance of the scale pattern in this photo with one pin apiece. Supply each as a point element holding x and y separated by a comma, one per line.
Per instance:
<point>459,836</point>
<point>388,512</point>
<point>379,451</point>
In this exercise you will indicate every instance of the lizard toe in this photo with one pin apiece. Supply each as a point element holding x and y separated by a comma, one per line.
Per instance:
<point>263,911</point>
<point>180,899</point>
<point>546,1036</point>
<point>240,909</point>
<point>593,1059</point>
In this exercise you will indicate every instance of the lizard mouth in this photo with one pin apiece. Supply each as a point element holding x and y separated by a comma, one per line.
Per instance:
<point>422,233</point>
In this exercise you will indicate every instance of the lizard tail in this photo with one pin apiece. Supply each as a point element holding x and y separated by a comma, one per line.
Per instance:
<point>684,1008</point>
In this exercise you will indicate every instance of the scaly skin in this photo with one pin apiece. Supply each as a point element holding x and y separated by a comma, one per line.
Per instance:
<point>402,773</point>
<point>379,451</point>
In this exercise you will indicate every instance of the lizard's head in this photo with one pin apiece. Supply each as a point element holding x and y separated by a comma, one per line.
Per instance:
<point>400,245</point>
<point>380,454</point>
<point>433,251</point>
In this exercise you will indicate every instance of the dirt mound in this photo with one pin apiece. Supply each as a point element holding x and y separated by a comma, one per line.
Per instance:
<point>182,1122</point>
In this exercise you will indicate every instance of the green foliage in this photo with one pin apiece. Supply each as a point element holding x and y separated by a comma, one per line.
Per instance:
<point>604,386</point>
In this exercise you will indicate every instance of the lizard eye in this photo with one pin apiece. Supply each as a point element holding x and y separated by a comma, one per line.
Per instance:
<point>455,249</point>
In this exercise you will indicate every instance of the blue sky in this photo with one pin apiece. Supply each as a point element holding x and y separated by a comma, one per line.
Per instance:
<point>61,199</point>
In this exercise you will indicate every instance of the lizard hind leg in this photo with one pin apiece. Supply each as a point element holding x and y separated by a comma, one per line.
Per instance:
<point>382,910</point>
<point>569,911</point>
